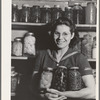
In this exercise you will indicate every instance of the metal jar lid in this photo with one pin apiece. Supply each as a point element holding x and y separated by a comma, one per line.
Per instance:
<point>18,39</point>
<point>29,34</point>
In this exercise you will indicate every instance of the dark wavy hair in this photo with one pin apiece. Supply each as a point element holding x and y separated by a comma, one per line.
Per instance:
<point>67,22</point>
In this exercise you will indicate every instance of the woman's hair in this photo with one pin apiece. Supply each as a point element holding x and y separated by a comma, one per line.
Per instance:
<point>67,22</point>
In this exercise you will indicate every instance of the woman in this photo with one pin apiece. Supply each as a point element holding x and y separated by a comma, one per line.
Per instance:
<point>64,39</point>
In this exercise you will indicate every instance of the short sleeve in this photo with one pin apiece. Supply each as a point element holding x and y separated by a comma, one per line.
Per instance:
<point>84,66</point>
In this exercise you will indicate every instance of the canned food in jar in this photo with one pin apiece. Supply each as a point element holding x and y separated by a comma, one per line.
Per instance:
<point>74,79</point>
<point>17,47</point>
<point>35,14</point>
<point>29,44</point>
<point>25,13</point>
<point>60,78</point>
<point>46,78</point>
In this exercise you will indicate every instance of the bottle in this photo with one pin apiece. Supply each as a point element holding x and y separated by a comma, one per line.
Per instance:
<point>29,44</point>
<point>77,14</point>
<point>56,12</point>
<point>17,47</point>
<point>45,14</point>
<point>68,13</point>
<point>14,79</point>
<point>25,13</point>
<point>74,79</point>
<point>60,78</point>
<point>90,13</point>
<point>35,14</point>
<point>15,13</point>
<point>46,78</point>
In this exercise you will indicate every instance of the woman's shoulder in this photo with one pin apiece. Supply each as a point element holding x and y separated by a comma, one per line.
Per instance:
<point>41,52</point>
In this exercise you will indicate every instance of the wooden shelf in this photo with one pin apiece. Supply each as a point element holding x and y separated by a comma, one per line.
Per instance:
<point>92,60</point>
<point>23,25</point>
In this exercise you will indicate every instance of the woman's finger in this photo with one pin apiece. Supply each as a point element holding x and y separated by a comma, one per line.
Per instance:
<point>53,91</point>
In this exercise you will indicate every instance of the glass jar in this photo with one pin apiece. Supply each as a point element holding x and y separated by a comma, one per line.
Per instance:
<point>74,79</point>
<point>14,79</point>
<point>60,79</point>
<point>90,13</point>
<point>78,14</point>
<point>15,13</point>
<point>17,47</point>
<point>68,13</point>
<point>46,78</point>
<point>25,13</point>
<point>56,12</point>
<point>35,14</point>
<point>87,45</point>
<point>94,48</point>
<point>29,44</point>
<point>45,14</point>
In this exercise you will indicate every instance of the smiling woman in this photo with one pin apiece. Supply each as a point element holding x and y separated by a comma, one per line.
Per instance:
<point>64,36</point>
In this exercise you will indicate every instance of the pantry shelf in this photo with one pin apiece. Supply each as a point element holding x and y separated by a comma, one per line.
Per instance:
<point>92,60</point>
<point>23,25</point>
<point>22,58</point>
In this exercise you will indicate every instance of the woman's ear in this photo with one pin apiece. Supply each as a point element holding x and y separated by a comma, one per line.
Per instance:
<point>72,35</point>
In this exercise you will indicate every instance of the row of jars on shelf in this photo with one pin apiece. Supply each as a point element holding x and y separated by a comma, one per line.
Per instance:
<point>26,46</point>
<point>47,14</point>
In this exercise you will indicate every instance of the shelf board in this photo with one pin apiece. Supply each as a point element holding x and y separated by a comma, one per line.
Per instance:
<point>92,60</point>
<point>19,58</point>
<point>23,25</point>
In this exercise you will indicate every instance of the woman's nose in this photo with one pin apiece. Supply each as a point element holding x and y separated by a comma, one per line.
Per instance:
<point>60,36</point>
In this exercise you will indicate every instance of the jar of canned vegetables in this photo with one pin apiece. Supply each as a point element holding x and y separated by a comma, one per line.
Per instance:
<point>68,13</point>
<point>46,78</point>
<point>46,14</point>
<point>15,13</point>
<point>35,14</point>
<point>56,12</point>
<point>90,13</point>
<point>29,44</point>
<point>60,78</point>
<point>78,14</point>
<point>14,79</point>
<point>17,47</point>
<point>74,79</point>
<point>25,13</point>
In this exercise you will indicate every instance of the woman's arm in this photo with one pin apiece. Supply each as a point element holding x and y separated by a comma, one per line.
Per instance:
<point>87,93</point>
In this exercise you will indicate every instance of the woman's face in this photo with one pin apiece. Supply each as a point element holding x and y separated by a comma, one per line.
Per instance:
<point>62,36</point>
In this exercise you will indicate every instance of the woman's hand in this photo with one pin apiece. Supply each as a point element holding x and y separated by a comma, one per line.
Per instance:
<point>53,94</point>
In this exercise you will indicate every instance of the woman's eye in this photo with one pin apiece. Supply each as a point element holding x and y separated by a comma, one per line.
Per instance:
<point>65,34</point>
<point>56,33</point>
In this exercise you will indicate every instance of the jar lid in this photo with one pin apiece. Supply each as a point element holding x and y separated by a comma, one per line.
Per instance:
<point>63,67</point>
<point>29,34</point>
<point>46,6</point>
<point>56,6</point>
<point>74,68</point>
<point>77,4</point>
<point>17,39</point>
<point>25,5</point>
<point>15,5</point>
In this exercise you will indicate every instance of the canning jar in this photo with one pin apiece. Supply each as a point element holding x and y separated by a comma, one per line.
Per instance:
<point>78,14</point>
<point>17,47</point>
<point>29,44</point>
<point>90,13</point>
<point>15,13</point>
<point>87,45</point>
<point>46,78</point>
<point>74,79</point>
<point>94,48</point>
<point>60,78</point>
<point>25,13</point>
<point>56,12</point>
<point>14,79</point>
<point>68,13</point>
<point>46,14</point>
<point>35,14</point>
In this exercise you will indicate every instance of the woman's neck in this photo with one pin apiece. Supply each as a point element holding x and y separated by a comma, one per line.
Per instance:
<point>60,53</point>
